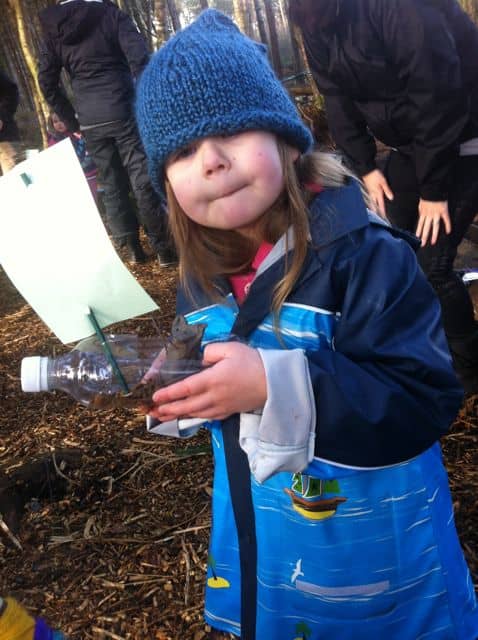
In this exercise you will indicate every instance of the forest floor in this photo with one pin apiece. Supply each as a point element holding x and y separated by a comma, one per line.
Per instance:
<point>115,527</point>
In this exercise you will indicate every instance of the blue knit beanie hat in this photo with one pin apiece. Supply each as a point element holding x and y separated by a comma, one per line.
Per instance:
<point>210,79</point>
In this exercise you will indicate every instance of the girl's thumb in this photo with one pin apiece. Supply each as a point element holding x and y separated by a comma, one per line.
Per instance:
<point>215,352</point>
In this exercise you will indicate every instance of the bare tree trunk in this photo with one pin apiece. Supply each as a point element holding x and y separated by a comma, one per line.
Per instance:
<point>298,62</point>
<point>274,43</point>
<point>239,14</point>
<point>41,106</point>
<point>173,12</point>
<point>249,22</point>
<point>12,54</point>
<point>160,18</point>
<point>203,4</point>
<point>283,14</point>
<point>260,22</point>
<point>300,44</point>
<point>149,24</point>
<point>140,11</point>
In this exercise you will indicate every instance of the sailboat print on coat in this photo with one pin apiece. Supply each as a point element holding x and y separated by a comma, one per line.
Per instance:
<point>215,581</point>
<point>307,495</point>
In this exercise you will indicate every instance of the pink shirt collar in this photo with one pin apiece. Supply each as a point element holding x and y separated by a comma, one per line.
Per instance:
<point>241,283</point>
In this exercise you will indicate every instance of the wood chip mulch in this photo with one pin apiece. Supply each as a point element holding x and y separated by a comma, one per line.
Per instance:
<point>112,541</point>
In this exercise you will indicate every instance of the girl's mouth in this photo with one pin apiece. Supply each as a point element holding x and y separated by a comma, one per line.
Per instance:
<point>230,192</point>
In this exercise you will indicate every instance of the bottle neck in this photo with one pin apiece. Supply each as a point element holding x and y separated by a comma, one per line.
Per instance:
<point>82,375</point>
<point>44,366</point>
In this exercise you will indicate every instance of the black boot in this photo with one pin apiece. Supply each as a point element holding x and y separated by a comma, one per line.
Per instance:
<point>167,255</point>
<point>135,250</point>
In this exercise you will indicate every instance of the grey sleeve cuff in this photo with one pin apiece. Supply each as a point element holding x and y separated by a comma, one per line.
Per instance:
<point>184,428</point>
<point>282,438</point>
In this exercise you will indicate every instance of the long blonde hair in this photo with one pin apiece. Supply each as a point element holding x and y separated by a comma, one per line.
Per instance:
<point>206,253</point>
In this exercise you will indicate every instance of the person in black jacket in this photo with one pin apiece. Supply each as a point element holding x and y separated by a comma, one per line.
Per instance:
<point>103,53</point>
<point>404,72</point>
<point>10,145</point>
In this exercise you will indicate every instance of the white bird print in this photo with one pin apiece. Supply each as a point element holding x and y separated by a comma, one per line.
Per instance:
<point>297,571</point>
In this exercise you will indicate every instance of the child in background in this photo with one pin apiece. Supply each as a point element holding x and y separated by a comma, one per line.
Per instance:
<point>58,130</point>
<point>17,624</point>
<point>332,516</point>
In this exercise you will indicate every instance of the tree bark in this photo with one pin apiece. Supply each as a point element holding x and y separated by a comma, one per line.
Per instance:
<point>298,63</point>
<point>11,53</point>
<point>41,106</point>
<point>160,17</point>
<point>239,14</point>
<point>260,22</point>
<point>273,40</point>
<point>249,18</point>
<point>173,12</point>
<point>300,44</point>
<point>283,14</point>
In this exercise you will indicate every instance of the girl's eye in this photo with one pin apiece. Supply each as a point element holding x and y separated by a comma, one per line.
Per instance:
<point>228,136</point>
<point>185,152</point>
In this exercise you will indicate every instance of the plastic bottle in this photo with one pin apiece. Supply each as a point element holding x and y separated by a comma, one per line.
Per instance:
<point>86,374</point>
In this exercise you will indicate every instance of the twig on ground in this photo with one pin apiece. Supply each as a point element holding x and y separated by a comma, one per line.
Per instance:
<point>188,571</point>
<point>5,528</point>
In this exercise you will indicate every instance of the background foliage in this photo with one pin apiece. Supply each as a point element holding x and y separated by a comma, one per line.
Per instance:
<point>20,39</point>
<point>263,20</point>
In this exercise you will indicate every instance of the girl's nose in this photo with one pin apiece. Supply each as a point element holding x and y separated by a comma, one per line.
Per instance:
<point>213,156</point>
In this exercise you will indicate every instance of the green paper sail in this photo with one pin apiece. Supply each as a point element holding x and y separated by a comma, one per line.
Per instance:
<point>55,249</point>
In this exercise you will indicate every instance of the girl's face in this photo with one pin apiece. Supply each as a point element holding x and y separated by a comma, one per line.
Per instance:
<point>58,124</point>
<point>228,182</point>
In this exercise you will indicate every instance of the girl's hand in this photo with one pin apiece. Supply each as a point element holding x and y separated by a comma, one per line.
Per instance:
<point>429,216</point>
<point>235,383</point>
<point>378,188</point>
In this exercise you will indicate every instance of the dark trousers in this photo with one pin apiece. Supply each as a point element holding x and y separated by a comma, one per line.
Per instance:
<point>437,260</point>
<point>118,153</point>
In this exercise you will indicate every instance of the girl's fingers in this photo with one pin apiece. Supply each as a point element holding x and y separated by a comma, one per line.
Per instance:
<point>235,382</point>
<point>182,389</point>
<point>215,352</point>
<point>198,407</point>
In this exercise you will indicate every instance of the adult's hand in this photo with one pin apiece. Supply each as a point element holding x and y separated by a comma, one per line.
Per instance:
<point>234,382</point>
<point>430,215</point>
<point>378,189</point>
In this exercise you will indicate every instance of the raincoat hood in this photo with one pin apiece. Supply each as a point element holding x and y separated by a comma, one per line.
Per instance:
<point>72,20</point>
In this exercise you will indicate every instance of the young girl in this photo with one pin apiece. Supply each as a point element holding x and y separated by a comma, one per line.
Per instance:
<point>58,130</point>
<point>332,515</point>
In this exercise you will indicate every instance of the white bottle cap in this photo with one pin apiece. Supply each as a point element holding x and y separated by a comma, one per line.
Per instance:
<point>34,372</point>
